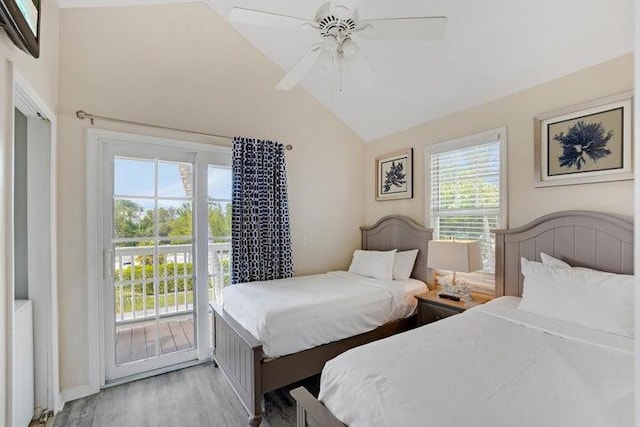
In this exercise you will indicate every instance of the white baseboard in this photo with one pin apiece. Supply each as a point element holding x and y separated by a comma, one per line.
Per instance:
<point>76,393</point>
<point>59,403</point>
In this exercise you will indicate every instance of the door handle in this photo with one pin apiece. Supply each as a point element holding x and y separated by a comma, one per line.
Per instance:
<point>107,267</point>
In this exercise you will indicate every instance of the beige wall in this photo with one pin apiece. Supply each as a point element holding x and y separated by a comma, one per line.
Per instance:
<point>42,75</point>
<point>183,66</point>
<point>516,112</point>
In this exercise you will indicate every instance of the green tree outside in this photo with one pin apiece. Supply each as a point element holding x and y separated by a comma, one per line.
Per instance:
<point>132,220</point>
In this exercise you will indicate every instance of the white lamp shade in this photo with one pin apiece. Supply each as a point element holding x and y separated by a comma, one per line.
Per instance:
<point>455,255</point>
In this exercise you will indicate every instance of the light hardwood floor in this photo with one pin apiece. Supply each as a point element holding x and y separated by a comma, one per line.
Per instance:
<point>192,397</point>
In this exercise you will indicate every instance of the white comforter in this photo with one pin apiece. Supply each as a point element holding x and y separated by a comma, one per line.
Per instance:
<point>490,366</point>
<point>296,314</point>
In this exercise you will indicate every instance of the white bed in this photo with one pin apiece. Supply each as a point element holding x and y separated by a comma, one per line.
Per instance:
<point>292,315</point>
<point>495,365</point>
<point>268,336</point>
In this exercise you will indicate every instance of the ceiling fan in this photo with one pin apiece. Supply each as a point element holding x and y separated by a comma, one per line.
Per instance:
<point>339,29</point>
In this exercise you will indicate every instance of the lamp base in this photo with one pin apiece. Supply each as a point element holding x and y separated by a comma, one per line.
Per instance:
<point>453,285</point>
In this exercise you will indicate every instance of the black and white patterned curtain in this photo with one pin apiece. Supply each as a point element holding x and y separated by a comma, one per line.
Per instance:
<point>260,229</point>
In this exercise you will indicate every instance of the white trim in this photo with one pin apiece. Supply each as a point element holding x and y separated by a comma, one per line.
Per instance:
<point>169,143</point>
<point>26,98</point>
<point>96,139</point>
<point>9,244</point>
<point>154,372</point>
<point>468,140</point>
<point>74,393</point>
<point>201,255</point>
<point>94,266</point>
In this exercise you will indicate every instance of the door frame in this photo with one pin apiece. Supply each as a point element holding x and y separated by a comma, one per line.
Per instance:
<point>22,95</point>
<point>96,138</point>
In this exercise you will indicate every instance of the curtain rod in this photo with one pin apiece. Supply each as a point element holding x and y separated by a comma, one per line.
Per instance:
<point>82,115</point>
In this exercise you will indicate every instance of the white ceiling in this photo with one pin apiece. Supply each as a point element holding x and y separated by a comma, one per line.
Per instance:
<point>491,48</point>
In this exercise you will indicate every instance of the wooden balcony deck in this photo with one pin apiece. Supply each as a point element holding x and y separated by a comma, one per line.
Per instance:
<point>137,341</point>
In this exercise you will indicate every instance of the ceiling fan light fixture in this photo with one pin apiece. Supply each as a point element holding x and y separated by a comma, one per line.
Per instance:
<point>350,49</point>
<point>330,43</point>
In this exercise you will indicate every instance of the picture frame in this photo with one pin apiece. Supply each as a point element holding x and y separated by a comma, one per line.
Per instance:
<point>586,143</point>
<point>394,175</point>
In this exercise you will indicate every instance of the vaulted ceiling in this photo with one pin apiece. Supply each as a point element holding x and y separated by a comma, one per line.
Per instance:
<point>491,48</point>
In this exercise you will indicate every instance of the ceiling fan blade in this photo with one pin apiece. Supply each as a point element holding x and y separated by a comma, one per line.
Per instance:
<point>302,67</point>
<point>430,28</point>
<point>336,9</point>
<point>258,17</point>
<point>363,72</point>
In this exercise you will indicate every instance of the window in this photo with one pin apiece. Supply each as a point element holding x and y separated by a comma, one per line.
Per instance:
<point>466,191</point>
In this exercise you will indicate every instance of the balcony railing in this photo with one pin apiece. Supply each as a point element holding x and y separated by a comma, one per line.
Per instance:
<point>136,276</point>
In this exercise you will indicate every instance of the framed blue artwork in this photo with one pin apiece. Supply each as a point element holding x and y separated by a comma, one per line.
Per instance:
<point>394,175</point>
<point>586,143</point>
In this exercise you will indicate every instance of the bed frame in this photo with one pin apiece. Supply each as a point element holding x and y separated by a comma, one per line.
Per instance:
<point>581,238</point>
<point>239,354</point>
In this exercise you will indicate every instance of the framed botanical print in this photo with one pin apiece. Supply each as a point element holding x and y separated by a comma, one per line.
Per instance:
<point>586,143</point>
<point>394,175</point>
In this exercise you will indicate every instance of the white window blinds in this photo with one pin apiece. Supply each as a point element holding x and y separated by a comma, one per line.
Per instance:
<point>465,185</point>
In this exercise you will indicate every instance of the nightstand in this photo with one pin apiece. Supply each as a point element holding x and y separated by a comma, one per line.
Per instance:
<point>432,308</point>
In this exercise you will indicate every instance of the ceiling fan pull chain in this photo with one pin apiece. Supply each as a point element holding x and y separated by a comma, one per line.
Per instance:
<point>333,80</point>
<point>339,73</point>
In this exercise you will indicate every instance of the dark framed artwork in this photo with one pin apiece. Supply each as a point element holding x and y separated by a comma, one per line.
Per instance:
<point>587,143</point>
<point>394,175</point>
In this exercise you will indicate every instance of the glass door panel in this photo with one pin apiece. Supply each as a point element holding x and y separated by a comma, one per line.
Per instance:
<point>152,238</point>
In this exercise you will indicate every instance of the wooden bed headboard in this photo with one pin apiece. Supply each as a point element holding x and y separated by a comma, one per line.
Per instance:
<point>581,238</point>
<point>401,233</point>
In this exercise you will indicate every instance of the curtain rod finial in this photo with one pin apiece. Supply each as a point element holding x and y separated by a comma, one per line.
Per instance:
<point>289,147</point>
<point>81,114</point>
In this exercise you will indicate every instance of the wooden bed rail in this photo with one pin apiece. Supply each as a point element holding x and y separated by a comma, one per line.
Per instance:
<point>242,333</point>
<point>312,413</point>
<point>238,354</point>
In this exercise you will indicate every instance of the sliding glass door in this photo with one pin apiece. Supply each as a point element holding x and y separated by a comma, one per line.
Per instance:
<point>167,253</point>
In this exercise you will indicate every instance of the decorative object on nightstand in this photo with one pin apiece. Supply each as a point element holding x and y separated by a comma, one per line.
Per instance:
<point>457,256</point>
<point>432,307</point>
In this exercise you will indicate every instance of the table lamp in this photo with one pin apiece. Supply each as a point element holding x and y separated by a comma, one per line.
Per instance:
<point>456,256</point>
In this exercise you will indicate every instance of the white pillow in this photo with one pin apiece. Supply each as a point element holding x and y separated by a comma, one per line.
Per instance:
<point>589,298</point>
<point>403,265</point>
<point>552,262</point>
<point>376,264</point>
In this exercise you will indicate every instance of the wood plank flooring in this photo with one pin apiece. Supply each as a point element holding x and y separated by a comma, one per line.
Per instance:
<point>137,341</point>
<point>193,397</point>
